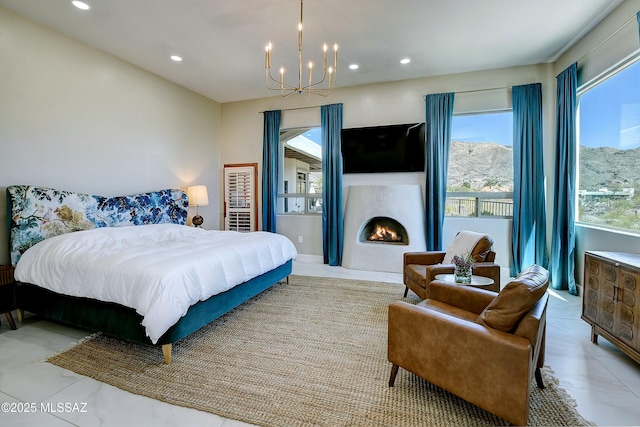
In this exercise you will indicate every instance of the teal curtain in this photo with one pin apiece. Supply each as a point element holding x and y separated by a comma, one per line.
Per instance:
<point>562,264</point>
<point>529,241</point>
<point>332,226</point>
<point>638,19</point>
<point>270,143</point>
<point>439,108</point>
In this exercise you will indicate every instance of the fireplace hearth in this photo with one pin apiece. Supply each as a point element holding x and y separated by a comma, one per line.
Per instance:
<point>381,223</point>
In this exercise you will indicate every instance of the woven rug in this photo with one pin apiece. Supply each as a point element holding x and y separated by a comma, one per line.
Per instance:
<point>312,352</point>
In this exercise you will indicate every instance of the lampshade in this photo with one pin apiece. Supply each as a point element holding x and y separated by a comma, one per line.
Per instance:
<point>198,195</point>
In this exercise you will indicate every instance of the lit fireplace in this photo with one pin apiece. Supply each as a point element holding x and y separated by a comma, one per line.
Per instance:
<point>398,207</point>
<point>384,230</point>
<point>385,234</point>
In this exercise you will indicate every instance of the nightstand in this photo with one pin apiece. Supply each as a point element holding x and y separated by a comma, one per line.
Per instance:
<point>7,293</point>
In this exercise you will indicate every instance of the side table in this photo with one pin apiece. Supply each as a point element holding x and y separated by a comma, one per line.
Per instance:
<point>7,293</point>
<point>476,281</point>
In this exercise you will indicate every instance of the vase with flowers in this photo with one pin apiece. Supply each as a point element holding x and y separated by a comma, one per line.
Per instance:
<point>463,266</point>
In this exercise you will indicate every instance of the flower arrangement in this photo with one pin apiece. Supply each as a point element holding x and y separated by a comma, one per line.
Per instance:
<point>463,264</point>
<point>463,261</point>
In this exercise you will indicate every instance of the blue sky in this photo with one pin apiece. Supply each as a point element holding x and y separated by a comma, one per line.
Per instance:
<point>609,116</point>
<point>610,112</point>
<point>494,127</point>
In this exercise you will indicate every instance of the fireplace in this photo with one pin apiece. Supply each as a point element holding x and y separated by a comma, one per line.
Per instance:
<point>382,229</point>
<point>381,223</point>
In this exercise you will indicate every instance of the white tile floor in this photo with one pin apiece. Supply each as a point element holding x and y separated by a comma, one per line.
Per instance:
<point>604,382</point>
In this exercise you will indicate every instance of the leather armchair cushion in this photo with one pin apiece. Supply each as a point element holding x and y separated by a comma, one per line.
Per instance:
<point>482,248</point>
<point>417,273</point>
<point>515,300</point>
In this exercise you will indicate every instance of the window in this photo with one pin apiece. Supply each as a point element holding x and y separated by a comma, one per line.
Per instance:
<point>609,151</point>
<point>300,190</point>
<point>480,174</point>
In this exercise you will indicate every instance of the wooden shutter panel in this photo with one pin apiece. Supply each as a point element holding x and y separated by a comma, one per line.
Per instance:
<point>240,207</point>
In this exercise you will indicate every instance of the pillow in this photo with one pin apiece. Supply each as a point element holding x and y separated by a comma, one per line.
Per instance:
<point>477,244</point>
<point>515,300</point>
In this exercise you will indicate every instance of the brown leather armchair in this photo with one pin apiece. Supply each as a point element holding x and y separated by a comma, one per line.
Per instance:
<point>481,347</point>
<point>420,268</point>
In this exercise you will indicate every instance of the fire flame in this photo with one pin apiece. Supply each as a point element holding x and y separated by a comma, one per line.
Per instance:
<point>384,233</point>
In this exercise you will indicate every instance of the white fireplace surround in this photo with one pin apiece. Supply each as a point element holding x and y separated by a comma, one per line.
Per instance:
<point>404,203</point>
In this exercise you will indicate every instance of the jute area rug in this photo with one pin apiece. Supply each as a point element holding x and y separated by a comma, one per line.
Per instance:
<point>309,353</point>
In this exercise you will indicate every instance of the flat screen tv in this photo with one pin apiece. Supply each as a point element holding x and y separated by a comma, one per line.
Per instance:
<point>393,148</point>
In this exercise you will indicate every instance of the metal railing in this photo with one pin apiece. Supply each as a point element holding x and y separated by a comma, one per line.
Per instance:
<point>479,204</point>
<point>300,203</point>
<point>458,204</point>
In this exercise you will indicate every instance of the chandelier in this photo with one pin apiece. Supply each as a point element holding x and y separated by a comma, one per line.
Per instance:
<point>321,87</point>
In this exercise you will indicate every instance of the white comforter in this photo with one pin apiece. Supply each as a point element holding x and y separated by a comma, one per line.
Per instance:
<point>158,270</point>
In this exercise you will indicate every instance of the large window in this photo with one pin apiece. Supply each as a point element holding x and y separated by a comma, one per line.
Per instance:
<point>609,151</point>
<point>480,174</point>
<point>300,187</point>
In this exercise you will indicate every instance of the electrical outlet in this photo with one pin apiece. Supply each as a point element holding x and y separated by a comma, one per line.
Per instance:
<point>300,239</point>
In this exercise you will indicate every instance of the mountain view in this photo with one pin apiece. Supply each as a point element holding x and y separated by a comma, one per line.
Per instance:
<point>609,167</point>
<point>480,166</point>
<point>609,187</point>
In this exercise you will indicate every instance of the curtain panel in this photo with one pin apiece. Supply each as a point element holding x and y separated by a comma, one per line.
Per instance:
<point>270,143</point>
<point>332,225</point>
<point>562,265</point>
<point>439,109</point>
<point>529,242</point>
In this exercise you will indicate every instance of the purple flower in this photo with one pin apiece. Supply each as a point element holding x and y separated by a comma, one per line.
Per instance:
<point>463,261</point>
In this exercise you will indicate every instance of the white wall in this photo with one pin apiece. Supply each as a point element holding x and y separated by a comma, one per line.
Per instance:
<point>75,118</point>
<point>402,102</point>
<point>588,237</point>
<point>387,103</point>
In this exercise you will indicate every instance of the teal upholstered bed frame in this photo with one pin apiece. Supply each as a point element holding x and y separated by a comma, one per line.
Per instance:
<point>36,213</point>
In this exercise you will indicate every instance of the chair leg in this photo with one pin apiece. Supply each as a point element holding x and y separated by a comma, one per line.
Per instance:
<point>539,381</point>
<point>394,372</point>
<point>406,290</point>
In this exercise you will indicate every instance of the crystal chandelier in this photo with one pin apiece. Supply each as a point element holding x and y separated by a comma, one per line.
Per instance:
<point>321,87</point>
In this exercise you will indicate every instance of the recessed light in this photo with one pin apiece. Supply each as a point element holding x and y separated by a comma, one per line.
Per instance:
<point>176,58</point>
<point>80,5</point>
<point>354,66</point>
<point>405,60</point>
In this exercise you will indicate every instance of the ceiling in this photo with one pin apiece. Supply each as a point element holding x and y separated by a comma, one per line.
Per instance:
<point>222,41</point>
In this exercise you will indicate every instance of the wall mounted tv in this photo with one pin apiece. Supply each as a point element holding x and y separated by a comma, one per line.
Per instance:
<point>393,148</point>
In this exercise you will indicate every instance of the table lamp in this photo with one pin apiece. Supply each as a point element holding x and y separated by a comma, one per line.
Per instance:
<point>198,196</point>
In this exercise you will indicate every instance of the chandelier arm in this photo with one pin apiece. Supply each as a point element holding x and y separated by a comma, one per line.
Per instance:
<point>300,49</point>
<point>287,89</point>
<point>285,86</point>
<point>324,77</point>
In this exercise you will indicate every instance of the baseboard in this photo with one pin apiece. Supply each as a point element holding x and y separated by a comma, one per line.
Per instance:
<point>310,259</point>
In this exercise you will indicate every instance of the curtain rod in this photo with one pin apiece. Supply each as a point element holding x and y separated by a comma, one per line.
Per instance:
<point>478,90</point>
<point>292,109</point>
<point>606,39</point>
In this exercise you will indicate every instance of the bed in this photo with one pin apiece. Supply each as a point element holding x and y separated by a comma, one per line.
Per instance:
<point>129,266</point>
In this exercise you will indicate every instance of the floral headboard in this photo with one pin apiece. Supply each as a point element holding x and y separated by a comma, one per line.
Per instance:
<point>37,213</point>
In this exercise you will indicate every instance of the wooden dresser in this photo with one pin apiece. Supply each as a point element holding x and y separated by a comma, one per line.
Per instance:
<point>611,299</point>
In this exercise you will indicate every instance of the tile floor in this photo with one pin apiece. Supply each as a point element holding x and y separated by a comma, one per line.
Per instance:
<point>604,382</point>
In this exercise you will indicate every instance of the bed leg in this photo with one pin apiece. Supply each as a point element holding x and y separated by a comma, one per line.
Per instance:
<point>166,351</point>
<point>287,280</point>
<point>20,314</point>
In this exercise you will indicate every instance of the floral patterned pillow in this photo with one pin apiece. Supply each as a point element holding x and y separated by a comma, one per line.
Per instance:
<point>38,213</point>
